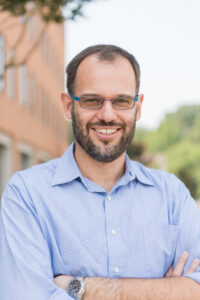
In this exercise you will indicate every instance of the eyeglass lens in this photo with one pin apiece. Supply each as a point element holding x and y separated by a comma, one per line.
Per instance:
<point>97,102</point>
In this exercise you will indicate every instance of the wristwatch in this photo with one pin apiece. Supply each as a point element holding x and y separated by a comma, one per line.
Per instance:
<point>76,287</point>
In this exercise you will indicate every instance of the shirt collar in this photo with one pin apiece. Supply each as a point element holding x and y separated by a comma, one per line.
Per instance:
<point>67,169</point>
<point>138,171</point>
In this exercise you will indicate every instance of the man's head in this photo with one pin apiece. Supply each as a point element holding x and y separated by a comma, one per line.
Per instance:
<point>105,53</point>
<point>108,72</point>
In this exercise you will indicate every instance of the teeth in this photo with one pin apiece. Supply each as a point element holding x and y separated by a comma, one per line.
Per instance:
<point>106,131</point>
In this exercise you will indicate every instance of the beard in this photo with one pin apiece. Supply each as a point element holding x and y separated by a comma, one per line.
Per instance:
<point>107,153</point>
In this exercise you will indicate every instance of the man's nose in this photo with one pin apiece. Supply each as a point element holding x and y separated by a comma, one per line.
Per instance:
<point>107,112</point>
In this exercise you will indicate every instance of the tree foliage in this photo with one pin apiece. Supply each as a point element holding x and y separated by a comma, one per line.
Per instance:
<point>178,139</point>
<point>183,124</point>
<point>184,161</point>
<point>49,10</point>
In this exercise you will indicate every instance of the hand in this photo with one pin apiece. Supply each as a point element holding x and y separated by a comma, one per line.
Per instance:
<point>178,270</point>
<point>62,281</point>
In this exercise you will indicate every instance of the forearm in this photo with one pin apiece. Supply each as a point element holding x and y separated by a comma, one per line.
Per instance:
<point>99,288</point>
<point>141,289</point>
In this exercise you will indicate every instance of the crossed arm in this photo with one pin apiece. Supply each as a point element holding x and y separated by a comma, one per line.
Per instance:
<point>172,286</point>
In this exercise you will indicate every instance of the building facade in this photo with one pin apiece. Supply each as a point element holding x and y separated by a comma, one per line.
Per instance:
<point>32,125</point>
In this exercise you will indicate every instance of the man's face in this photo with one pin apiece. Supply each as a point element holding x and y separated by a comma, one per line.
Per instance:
<point>104,134</point>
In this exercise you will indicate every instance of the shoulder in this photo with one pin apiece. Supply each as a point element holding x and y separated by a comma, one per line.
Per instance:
<point>162,181</point>
<point>44,171</point>
<point>172,189</point>
<point>37,177</point>
<point>155,176</point>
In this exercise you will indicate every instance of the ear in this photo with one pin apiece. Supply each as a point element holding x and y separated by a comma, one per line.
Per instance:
<point>139,106</point>
<point>67,104</point>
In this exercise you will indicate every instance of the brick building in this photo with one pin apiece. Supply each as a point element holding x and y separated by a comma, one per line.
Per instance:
<point>32,125</point>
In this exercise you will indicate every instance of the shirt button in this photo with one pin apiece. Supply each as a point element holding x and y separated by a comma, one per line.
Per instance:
<point>116,270</point>
<point>113,231</point>
<point>109,197</point>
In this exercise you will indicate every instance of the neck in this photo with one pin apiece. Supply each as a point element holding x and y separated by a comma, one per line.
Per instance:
<point>105,174</point>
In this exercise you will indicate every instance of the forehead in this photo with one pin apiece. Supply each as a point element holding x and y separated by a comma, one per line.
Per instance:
<point>103,76</point>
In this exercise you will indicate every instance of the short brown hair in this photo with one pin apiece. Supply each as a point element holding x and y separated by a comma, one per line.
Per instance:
<point>104,52</point>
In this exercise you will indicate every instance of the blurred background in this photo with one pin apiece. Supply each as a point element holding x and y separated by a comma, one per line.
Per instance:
<point>38,38</point>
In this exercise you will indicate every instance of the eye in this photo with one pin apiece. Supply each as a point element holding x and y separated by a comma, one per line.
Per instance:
<point>91,100</point>
<point>122,101</point>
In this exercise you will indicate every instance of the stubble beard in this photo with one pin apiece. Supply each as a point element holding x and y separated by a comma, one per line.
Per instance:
<point>108,153</point>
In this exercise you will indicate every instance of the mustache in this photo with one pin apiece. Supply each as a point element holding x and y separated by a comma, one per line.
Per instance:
<point>104,123</point>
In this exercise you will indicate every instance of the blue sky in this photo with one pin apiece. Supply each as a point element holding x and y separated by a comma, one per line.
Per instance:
<point>163,35</point>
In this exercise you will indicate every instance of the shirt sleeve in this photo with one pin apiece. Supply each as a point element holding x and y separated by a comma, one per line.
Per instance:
<point>25,259</point>
<point>187,218</point>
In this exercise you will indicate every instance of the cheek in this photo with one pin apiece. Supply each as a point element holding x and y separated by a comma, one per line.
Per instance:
<point>129,118</point>
<point>84,117</point>
<point>88,117</point>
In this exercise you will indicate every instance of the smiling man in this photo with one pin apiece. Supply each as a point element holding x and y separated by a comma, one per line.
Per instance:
<point>93,224</point>
<point>104,130</point>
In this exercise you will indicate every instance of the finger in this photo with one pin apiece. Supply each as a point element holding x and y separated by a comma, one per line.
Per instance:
<point>178,270</point>
<point>169,272</point>
<point>193,267</point>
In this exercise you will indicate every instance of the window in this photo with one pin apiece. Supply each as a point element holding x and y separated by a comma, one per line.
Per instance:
<point>31,27</point>
<point>24,161</point>
<point>5,160</point>
<point>31,92</point>
<point>22,19</point>
<point>43,157</point>
<point>25,156</point>
<point>10,76</point>
<point>22,85</point>
<point>11,82</point>
<point>2,63</point>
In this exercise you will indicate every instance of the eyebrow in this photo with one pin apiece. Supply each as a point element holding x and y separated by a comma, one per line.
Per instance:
<point>127,96</point>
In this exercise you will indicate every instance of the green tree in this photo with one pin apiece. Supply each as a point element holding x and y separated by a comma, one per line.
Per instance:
<point>177,139</point>
<point>182,124</point>
<point>184,161</point>
<point>49,10</point>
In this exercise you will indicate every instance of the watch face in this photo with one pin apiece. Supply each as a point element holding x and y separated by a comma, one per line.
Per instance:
<point>74,287</point>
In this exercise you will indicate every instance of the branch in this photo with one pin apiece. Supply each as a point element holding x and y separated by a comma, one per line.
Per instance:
<point>11,24</point>
<point>13,19</point>
<point>17,42</point>
<point>35,44</point>
<point>5,18</point>
<point>12,62</point>
<point>21,35</point>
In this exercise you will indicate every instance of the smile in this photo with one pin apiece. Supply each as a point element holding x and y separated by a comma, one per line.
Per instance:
<point>105,131</point>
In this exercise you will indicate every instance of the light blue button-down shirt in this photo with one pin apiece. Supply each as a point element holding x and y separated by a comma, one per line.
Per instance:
<point>55,221</point>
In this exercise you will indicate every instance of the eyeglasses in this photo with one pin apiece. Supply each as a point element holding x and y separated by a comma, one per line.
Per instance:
<point>93,102</point>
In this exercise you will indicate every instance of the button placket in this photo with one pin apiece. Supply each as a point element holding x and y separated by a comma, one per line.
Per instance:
<point>112,236</point>
<point>116,270</point>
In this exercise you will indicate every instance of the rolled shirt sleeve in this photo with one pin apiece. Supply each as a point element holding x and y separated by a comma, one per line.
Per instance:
<point>187,217</point>
<point>25,260</point>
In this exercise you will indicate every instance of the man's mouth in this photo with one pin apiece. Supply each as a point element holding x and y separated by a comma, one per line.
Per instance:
<point>105,131</point>
<point>106,134</point>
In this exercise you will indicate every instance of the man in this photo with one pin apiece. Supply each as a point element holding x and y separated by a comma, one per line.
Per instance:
<point>93,224</point>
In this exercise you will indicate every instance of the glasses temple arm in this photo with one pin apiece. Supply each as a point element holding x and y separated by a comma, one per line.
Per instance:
<point>74,97</point>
